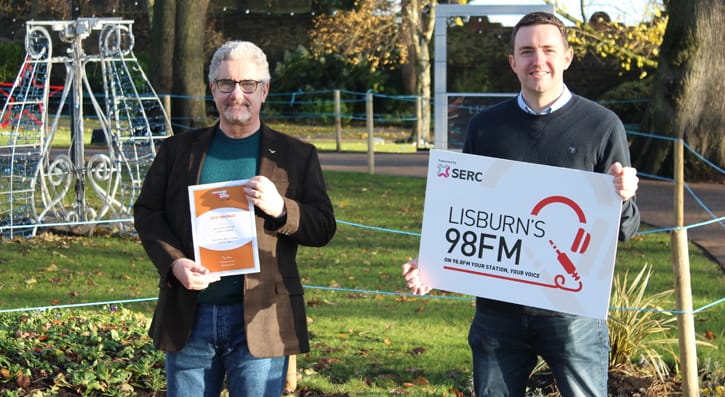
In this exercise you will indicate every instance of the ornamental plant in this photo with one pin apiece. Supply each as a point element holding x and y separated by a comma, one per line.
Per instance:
<point>75,352</point>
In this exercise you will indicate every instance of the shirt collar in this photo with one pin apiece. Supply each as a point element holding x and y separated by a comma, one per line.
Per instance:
<point>558,103</point>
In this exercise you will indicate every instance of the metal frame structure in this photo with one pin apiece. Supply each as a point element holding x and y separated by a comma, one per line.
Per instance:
<point>443,14</point>
<point>76,188</point>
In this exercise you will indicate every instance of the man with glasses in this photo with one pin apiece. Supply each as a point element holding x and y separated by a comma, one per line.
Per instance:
<point>240,327</point>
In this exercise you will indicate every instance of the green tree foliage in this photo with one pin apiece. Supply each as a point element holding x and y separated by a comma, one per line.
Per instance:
<point>384,33</point>
<point>369,34</point>
<point>11,60</point>
<point>633,46</point>
<point>300,70</point>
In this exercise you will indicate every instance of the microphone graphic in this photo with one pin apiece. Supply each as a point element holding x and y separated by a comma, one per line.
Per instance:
<point>565,262</point>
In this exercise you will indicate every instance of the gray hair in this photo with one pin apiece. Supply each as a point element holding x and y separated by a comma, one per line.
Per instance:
<point>240,51</point>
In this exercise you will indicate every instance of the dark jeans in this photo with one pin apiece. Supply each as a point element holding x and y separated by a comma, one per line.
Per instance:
<point>505,346</point>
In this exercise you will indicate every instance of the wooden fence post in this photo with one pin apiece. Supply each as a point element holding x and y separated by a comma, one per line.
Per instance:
<point>683,287</point>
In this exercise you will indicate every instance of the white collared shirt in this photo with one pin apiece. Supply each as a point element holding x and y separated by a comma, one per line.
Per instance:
<point>558,103</point>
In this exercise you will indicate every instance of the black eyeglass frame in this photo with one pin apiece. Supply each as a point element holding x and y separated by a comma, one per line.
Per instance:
<point>248,90</point>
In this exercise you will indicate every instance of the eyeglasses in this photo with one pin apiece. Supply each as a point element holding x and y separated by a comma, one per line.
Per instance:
<point>227,85</point>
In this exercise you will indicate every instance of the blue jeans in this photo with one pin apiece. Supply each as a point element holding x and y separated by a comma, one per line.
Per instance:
<point>505,346</point>
<point>218,347</point>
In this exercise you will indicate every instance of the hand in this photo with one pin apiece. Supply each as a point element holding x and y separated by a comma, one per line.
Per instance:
<point>625,180</point>
<point>412,276</point>
<point>264,195</point>
<point>192,275</point>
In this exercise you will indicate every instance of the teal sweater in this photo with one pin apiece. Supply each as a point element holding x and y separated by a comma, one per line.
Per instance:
<point>228,159</point>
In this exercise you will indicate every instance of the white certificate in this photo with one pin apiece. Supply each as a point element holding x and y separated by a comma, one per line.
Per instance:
<point>223,228</point>
<point>517,232</point>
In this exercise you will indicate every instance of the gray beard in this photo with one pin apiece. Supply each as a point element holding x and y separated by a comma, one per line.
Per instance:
<point>234,118</point>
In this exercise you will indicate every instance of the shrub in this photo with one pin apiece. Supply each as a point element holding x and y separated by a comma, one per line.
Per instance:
<point>629,100</point>
<point>13,53</point>
<point>89,353</point>
<point>637,336</point>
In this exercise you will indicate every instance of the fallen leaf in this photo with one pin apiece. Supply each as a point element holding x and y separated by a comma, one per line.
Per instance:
<point>417,351</point>
<point>709,335</point>
<point>325,363</point>
<point>23,381</point>
<point>456,392</point>
<point>421,381</point>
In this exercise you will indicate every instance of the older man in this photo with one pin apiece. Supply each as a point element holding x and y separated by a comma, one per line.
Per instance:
<point>240,327</point>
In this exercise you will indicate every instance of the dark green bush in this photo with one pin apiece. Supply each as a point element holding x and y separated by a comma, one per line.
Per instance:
<point>73,352</point>
<point>629,100</point>
<point>13,53</point>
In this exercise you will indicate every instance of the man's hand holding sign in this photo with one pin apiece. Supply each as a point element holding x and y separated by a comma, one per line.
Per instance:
<point>532,235</point>
<point>517,232</point>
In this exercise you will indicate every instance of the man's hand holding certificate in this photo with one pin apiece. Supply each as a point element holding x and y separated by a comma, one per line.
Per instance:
<point>518,232</point>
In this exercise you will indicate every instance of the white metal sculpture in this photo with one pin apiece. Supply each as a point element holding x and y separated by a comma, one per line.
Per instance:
<point>74,187</point>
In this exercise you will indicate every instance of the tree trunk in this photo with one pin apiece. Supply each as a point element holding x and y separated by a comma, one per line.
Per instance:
<point>424,62</point>
<point>424,88</point>
<point>689,91</point>
<point>421,28</point>
<point>161,67</point>
<point>407,35</point>
<point>189,79</point>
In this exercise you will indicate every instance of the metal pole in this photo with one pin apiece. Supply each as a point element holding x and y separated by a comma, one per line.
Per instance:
<point>78,149</point>
<point>338,122</point>
<point>418,121</point>
<point>371,143</point>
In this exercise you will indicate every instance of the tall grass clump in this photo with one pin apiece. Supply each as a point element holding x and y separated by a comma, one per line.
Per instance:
<point>640,330</point>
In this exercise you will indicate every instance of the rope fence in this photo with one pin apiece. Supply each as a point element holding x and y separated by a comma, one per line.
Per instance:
<point>356,290</point>
<point>313,105</point>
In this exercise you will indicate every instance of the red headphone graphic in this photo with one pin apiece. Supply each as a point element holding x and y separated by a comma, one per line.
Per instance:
<point>581,239</point>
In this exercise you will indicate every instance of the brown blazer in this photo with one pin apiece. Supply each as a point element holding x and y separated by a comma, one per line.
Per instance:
<point>274,307</point>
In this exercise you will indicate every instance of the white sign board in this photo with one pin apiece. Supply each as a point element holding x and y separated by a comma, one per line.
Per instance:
<point>517,232</point>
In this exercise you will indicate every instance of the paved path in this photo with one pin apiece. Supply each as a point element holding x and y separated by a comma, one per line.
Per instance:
<point>654,198</point>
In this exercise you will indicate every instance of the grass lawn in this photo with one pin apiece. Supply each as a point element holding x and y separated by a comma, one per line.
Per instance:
<point>367,333</point>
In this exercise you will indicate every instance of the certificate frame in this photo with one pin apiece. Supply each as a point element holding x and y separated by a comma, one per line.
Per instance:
<point>223,228</point>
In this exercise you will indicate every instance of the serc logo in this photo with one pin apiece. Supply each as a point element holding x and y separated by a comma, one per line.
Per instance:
<point>444,170</point>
